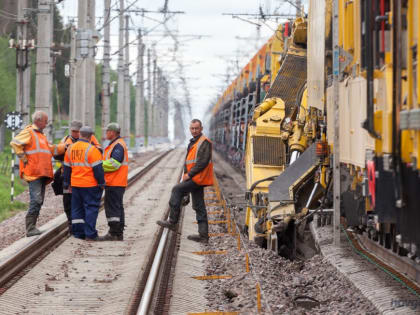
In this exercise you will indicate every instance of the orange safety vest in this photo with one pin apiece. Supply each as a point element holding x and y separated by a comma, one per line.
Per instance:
<point>68,140</point>
<point>39,157</point>
<point>119,177</point>
<point>82,157</point>
<point>205,177</point>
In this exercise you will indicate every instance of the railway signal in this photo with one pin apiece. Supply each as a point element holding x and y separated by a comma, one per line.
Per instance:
<point>13,122</point>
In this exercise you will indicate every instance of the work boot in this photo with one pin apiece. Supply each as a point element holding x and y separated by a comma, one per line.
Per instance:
<point>111,237</point>
<point>31,229</point>
<point>167,224</point>
<point>88,239</point>
<point>198,238</point>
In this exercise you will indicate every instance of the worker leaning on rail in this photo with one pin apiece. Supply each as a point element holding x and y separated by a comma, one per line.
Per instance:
<point>35,167</point>
<point>68,140</point>
<point>84,173</point>
<point>116,172</point>
<point>198,173</point>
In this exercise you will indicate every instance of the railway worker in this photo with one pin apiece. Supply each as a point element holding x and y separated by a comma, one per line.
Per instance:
<point>84,173</point>
<point>198,173</point>
<point>116,172</point>
<point>35,166</point>
<point>71,138</point>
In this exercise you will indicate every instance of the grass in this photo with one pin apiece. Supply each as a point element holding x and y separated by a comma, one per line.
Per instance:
<point>8,208</point>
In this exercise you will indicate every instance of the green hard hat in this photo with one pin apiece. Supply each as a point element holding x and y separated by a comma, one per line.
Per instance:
<point>113,127</point>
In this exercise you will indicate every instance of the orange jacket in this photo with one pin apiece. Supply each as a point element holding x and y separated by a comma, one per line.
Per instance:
<point>36,155</point>
<point>82,157</point>
<point>118,177</point>
<point>205,177</point>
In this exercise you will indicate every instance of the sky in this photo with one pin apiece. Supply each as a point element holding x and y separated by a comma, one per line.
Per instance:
<point>207,57</point>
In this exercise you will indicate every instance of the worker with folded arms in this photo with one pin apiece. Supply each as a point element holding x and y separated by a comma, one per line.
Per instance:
<point>83,171</point>
<point>35,167</point>
<point>116,172</point>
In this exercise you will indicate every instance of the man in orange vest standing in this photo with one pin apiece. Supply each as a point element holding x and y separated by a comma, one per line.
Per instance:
<point>198,173</point>
<point>68,140</point>
<point>84,173</point>
<point>116,172</point>
<point>35,167</point>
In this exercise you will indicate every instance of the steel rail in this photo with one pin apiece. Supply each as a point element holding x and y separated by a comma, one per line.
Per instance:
<point>26,255</point>
<point>152,276</point>
<point>151,279</point>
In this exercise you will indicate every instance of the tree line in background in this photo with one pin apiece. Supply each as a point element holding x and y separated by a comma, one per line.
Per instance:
<point>61,83</point>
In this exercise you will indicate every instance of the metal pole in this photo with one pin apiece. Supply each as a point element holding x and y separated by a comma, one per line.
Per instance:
<point>23,63</point>
<point>127,81</point>
<point>43,85</point>
<point>154,103</point>
<point>80,92</point>
<point>149,97</point>
<point>336,154</point>
<point>121,89</point>
<point>166,111</point>
<point>140,110</point>
<point>73,69</point>
<point>91,68</point>
<point>12,174</point>
<point>106,101</point>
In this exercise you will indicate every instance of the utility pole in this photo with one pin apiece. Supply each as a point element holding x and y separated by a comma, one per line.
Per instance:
<point>91,66</point>
<point>140,109</point>
<point>336,142</point>
<point>298,8</point>
<point>106,80</point>
<point>127,81</point>
<point>121,89</point>
<point>154,95</point>
<point>83,93</point>
<point>23,63</point>
<point>43,84</point>
<point>149,98</point>
<point>73,69</point>
<point>159,103</point>
<point>165,107</point>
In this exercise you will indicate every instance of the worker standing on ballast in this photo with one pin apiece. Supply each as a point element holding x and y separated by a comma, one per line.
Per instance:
<point>35,167</point>
<point>83,171</point>
<point>116,172</point>
<point>198,173</point>
<point>68,140</point>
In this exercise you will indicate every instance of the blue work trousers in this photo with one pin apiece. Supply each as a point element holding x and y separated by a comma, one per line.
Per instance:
<point>85,202</point>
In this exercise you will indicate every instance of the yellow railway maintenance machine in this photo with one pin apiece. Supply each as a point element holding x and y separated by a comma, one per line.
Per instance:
<point>281,159</point>
<point>380,121</point>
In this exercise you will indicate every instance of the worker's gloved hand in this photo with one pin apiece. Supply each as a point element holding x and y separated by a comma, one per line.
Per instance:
<point>185,177</point>
<point>185,200</point>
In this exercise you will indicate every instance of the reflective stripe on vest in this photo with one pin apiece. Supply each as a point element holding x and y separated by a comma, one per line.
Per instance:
<point>39,157</point>
<point>82,174</point>
<point>205,176</point>
<point>119,177</point>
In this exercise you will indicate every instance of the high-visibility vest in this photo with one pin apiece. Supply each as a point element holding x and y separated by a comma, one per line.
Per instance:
<point>39,157</point>
<point>82,157</point>
<point>69,140</point>
<point>119,177</point>
<point>205,177</point>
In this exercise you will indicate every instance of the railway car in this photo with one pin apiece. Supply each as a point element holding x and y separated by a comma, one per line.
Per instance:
<point>288,140</point>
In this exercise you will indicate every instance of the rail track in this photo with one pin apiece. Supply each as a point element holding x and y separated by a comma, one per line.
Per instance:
<point>19,260</point>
